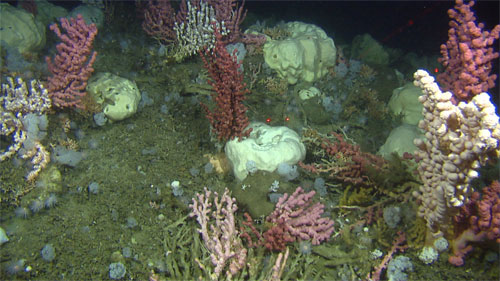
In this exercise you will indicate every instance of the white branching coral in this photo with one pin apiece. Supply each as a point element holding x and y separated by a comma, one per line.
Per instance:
<point>458,140</point>
<point>197,31</point>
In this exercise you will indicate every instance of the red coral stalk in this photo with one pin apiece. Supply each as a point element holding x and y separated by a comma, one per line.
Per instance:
<point>228,118</point>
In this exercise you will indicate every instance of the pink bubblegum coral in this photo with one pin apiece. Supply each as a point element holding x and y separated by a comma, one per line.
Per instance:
<point>295,217</point>
<point>228,12</point>
<point>344,161</point>
<point>72,66</point>
<point>467,54</point>
<point>160,18</point>
<point>397,245</point>
<point>481,218</point>
<point>221,237</point>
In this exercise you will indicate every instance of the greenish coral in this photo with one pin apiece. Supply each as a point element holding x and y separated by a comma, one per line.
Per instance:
<point>357,197</point>
<point>181,244</point>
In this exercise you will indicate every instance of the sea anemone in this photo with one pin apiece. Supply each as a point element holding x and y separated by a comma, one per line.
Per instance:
<point>51,201</point>
<point>15,267</point>
<point>22,212</point>
<point>305,247</point>
<point>36,205</point>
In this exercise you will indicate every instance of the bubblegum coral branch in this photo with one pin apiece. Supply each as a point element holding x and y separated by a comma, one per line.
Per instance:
<point>467,55</point>
<point>221,238</point>
<point>160,18</point>
<point>482,217</point>
<point>228,12</point>
<point>72,66</point>
<point>295,217</point>
<point>343,161</point>
<point>228,119</point>
<point>397,245</point>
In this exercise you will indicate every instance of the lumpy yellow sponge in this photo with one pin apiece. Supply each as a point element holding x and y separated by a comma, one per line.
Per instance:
<point>305,55</point>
